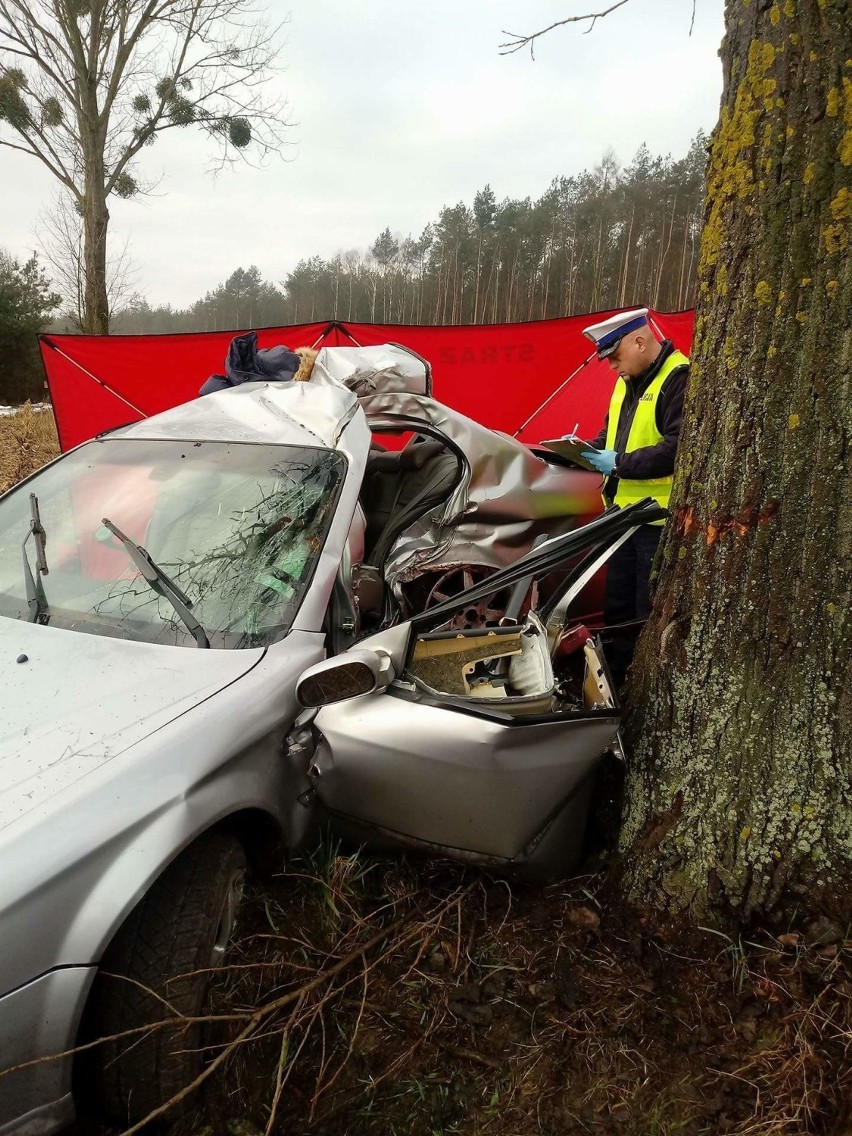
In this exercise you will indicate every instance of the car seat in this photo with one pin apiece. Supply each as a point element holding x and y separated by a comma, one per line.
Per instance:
<point>401,486</point>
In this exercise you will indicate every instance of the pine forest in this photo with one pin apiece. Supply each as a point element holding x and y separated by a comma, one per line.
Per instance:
<point>609,237</point>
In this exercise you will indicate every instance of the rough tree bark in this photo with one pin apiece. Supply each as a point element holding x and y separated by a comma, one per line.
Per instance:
<point>95,226</point>
<point>740,791</point>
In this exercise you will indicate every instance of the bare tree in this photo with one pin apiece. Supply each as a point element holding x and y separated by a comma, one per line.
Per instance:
<point>60,236</point>
<point>86,84</point>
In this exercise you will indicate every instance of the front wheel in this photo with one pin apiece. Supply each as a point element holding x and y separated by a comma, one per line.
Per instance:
<point>167,950</point>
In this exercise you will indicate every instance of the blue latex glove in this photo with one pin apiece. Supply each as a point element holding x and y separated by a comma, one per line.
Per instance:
<point>602,460</point>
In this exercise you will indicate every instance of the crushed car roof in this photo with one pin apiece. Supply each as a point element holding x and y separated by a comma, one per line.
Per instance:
<point>278,413</point>
<point>296,413</point>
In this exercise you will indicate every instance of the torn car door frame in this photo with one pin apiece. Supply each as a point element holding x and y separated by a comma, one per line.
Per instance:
<point>502,781</point>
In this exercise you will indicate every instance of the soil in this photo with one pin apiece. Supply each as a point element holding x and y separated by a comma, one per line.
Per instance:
<point>435,1001</point>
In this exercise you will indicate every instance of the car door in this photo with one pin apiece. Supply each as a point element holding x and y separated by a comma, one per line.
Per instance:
<point>477,742</point>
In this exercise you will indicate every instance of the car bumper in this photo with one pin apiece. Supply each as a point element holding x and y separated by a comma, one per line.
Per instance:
<point>40,1020</point>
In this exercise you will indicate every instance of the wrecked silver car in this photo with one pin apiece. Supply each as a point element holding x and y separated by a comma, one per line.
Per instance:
<point>231,625</point>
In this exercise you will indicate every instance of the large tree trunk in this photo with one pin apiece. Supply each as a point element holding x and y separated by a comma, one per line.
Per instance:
<point>95,225</point>
<point>739,795</point>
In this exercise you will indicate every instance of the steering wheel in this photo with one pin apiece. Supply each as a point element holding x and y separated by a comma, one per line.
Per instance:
<point>473,616</point>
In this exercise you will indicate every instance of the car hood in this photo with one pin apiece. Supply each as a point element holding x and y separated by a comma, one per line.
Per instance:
<point>71,702</point>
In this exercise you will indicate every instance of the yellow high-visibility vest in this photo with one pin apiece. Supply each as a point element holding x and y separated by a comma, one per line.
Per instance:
<point>643,432</point>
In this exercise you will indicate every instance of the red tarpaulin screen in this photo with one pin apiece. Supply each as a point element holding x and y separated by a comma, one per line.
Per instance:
<point>507,376</point>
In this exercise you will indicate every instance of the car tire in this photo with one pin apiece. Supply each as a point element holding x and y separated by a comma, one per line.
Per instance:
<point>182,926</point>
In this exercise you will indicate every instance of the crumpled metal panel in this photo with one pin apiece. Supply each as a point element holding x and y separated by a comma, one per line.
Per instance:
<point>423,771</point>
<point>387,367</point>
<point>507,495</point>
<point>307,414</point>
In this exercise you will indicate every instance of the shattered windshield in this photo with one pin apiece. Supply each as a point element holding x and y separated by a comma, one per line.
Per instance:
<point>237,527</point>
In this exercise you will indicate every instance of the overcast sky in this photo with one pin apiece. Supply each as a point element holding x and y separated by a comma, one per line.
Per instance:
<point>399,107</point>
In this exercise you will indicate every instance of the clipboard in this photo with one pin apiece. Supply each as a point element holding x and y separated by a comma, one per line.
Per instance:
<point>574,451</point>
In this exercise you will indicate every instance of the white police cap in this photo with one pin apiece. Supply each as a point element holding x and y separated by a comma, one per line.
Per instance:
<point>607,334</point>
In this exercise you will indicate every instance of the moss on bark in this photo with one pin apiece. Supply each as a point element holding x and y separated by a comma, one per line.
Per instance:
<point>739,794</point>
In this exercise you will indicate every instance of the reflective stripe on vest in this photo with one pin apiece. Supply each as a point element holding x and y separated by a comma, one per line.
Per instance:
<point>643,432</point>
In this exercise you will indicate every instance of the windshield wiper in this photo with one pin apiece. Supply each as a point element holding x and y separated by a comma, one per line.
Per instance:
<point>160,582</point>
<point>36,599</point>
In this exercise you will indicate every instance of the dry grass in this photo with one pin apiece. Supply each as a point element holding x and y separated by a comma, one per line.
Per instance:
<point>380,999</point>
<point>27,441</point>
<point>384,999</point>
<point>799,1064</point>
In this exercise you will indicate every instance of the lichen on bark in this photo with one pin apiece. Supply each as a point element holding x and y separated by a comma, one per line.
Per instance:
<point>740,785</point>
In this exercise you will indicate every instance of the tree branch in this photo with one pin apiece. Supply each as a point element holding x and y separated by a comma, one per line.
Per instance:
<point>27,19</point>
<point>520,41</point>
<point>57,171</point>
<point>98,80</point>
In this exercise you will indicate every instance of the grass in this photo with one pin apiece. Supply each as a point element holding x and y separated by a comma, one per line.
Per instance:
<point>486,1012</point>
<point>27,441</point>
<point>602,1030</point>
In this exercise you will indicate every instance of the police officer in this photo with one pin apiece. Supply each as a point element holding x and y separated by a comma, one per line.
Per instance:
<point>637,447</point>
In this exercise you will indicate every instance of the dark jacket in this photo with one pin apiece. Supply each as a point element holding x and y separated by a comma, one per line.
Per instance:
<point>245,363</point>
<point>649,461</point>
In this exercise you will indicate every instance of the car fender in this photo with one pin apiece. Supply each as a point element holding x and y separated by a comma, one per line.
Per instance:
<point>258,781</point>
<point>102,851</point>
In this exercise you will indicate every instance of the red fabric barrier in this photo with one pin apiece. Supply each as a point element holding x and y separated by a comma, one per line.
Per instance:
<point>499,374</point>
<point>585,397</point>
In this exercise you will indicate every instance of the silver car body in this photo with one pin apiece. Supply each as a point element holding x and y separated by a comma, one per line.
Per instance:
<point>506,494</point>
<point>116,754</point>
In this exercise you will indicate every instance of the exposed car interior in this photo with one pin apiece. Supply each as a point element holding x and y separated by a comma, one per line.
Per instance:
<point>488,657</point>
<point>400,486</point>
<point>513,669</point>
<point>510,665</point>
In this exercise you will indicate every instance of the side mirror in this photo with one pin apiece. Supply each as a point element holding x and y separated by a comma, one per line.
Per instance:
<point>356,672</point>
